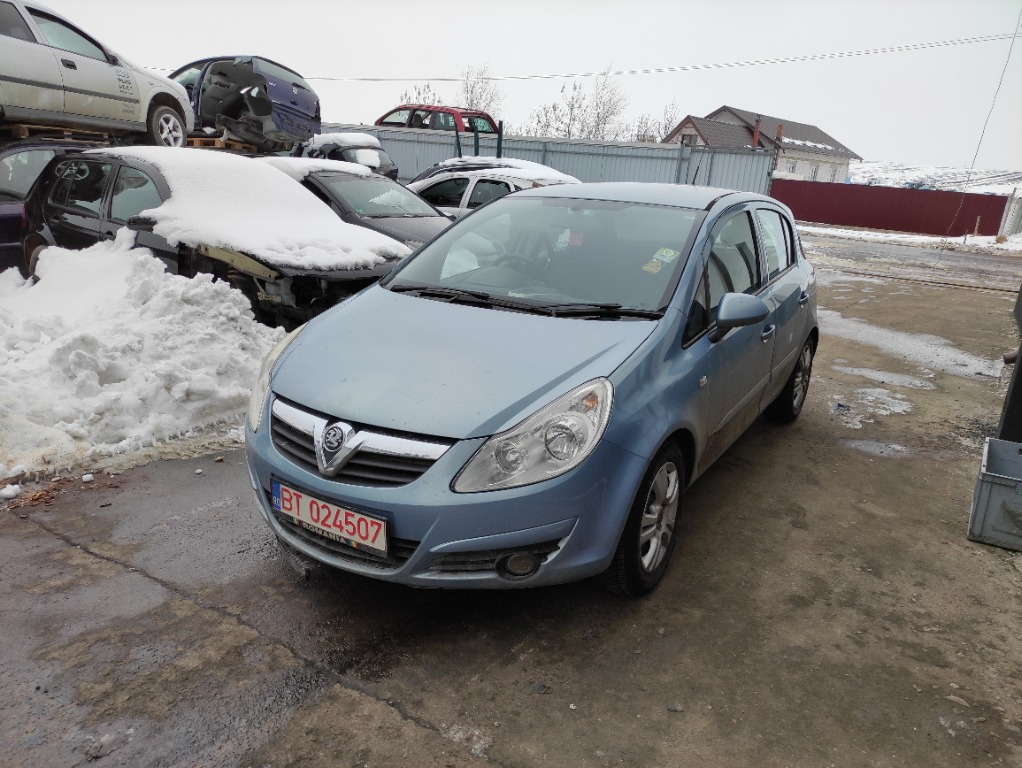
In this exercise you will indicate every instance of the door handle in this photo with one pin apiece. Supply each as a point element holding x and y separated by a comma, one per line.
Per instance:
<point>69,63</point>
<point>803,299</point>
<point>768,333</point>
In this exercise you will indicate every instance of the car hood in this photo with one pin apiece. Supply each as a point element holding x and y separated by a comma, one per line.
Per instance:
<point>405,363</point>
<point>407,229</point>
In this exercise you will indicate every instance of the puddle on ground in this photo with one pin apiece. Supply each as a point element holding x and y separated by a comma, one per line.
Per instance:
<point>876,447</point>
<point>886,377</point>
<point>922,349</point>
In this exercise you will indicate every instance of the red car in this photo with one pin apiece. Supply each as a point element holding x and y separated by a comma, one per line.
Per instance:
<point>435,117</point>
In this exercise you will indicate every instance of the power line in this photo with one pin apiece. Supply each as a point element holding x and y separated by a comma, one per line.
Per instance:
<point>694,67</point>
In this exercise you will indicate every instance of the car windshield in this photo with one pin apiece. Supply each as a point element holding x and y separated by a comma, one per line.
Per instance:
<point>373,158</point>
<point>554,252</point>
<point>377,197</point>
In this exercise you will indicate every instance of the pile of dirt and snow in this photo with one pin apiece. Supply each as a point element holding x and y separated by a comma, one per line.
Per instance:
<point>107,354</point>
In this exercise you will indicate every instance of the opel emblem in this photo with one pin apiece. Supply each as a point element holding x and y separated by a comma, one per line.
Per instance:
<point>333,438</point>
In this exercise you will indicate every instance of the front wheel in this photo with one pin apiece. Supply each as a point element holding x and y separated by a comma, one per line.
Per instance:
<point>788,404</point>
<point>165,127</point>
<point>648,540</point>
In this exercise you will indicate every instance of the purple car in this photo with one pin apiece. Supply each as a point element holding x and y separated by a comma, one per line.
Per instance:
<point>252,99</point>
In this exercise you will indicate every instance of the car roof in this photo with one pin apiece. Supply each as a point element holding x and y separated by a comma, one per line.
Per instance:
<point>227,57</point>
<point>677,195</point>
<point>436,107</point>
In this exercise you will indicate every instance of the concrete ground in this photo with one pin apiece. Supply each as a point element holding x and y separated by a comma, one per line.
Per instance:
<point>824,607</point>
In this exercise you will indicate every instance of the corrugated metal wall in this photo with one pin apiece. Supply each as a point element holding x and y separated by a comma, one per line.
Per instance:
<point>747,170</point>
<point>922,211</point>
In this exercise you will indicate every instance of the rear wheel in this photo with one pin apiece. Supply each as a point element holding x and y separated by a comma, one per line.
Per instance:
<point>648,540</point>
<point>165,127</point>
<point>788,404</point>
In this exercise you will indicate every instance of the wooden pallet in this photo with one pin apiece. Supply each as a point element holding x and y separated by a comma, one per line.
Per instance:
<point>31,131</point>
<point>218,142</point>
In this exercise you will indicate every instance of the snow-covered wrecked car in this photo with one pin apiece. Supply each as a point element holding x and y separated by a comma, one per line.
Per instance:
<point>203,211</point>
<point>250,98</point>
<point>367,199</point>
<point>359,148</point>
<point>53,73</point>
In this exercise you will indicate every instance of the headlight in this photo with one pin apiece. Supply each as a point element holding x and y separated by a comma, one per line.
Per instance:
<point>552,441</point>
<point>257,401</point>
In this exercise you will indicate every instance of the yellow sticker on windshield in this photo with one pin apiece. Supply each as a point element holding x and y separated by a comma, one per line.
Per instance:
<point>652,266</point>
<point>666,255</point>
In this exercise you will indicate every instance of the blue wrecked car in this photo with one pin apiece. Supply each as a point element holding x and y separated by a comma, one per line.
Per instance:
<point>251,99</point>
<point>524,400</point>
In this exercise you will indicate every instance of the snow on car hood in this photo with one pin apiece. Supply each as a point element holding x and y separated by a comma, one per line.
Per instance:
<point>344,140</point>
<point>227,201</point>
<point>401,362</point>
<point>300,167</point>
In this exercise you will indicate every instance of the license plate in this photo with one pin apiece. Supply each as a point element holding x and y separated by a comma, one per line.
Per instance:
<point>331,520</point>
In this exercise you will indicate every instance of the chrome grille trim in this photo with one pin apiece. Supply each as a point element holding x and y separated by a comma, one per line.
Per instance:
<point>380,460</point>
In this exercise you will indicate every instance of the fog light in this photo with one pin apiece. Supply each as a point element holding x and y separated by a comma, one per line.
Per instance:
<point>517,565</point>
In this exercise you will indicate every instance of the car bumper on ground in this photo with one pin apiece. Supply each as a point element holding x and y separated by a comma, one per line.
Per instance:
<point>569,526</point>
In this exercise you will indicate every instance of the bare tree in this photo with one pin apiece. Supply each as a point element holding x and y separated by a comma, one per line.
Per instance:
<point>423,93</point>
<point>478,91</point>
<point>654,131</point>
<point>581,114</point>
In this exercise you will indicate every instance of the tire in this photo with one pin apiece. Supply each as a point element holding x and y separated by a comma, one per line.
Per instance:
<point>165,127</point>
<point>648,540</point>
<point>33,257</point>
<point>788,404</point>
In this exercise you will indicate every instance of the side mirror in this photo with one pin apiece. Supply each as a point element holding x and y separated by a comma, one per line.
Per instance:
<point>737,310</point>
<point>141,224</point>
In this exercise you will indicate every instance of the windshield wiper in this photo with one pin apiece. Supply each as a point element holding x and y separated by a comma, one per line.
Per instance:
<point>465,296</point>
<point>601,310</point>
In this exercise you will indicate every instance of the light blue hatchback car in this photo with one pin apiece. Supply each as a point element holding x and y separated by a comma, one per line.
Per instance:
<point>524,400</point>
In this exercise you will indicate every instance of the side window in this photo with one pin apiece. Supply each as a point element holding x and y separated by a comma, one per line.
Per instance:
<point>442,121</point>
<point>734,254</point>
<point>67,38</point>
<point>397,117</point>
<point>446,193</point>
<point>420,119</point>
<point>486,190</point>
<point>80,185</point>
<point>134,192</point>
<point>776,242</point>
<point>698,316</point>
<point>19,170</point>
<point>12,25</point>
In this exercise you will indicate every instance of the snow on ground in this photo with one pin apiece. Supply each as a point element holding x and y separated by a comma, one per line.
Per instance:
<point>108,354</point>
<point>889,174</point>
<point>231,201</point>
<point>1012,244</point>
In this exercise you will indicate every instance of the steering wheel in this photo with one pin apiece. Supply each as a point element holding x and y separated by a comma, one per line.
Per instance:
<point>516,261</point>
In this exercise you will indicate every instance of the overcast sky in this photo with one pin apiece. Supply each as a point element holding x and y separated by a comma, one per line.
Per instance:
<point>923,107</point>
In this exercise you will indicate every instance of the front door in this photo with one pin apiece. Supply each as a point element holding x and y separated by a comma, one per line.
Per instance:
<point>74,212</point>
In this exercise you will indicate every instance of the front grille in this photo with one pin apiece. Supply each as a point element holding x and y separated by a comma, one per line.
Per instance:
<point>385,459</point>
<point>398,550</point>
<point>486,560</point>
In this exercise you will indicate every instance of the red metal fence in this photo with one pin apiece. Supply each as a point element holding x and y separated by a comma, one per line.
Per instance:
<point>923,211</point>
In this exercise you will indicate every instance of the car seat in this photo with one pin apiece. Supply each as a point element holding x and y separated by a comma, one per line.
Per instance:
<point>416,121</point>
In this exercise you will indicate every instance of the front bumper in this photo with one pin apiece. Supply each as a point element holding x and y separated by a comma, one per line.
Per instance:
<point>439,538</point>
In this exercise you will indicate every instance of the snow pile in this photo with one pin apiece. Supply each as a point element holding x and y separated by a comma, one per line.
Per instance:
<point>225,200</point>
<point>888,174</point>
<point>300,167</point>
<point>810,144</point>
<point>108,353</point>
<point>509,166</point>
<point>344,140</point>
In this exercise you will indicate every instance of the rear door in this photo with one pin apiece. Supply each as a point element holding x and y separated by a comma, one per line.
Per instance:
<point>787,288</point>
<point>93,87</point>
<point>30,74</point>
